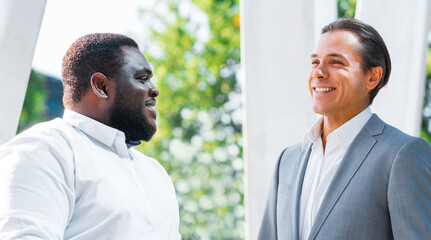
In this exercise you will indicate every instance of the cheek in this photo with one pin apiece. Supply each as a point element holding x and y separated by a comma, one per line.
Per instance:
<point>139,92</point>
<point>142,89</point>
<point>310,79</point>
<point>355,90</point>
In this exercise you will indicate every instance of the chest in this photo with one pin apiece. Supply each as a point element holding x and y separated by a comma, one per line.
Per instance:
<point>117,196</point>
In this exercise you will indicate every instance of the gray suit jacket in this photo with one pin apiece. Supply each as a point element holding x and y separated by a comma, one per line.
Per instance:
<point>381,190</point>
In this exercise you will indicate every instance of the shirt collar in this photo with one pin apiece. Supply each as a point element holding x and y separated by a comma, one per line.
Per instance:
<point>108,136</point>
<point>313,133</point>
<point>346,133</point>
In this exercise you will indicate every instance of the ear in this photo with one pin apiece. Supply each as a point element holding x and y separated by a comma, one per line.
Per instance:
<point>99,85</point>
<point>375,77</point>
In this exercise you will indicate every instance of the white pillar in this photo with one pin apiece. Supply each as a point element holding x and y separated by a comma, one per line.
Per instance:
<point>324,12</point>
<point>277,39</point>
<point>404,27</point>
<point>20,22</point>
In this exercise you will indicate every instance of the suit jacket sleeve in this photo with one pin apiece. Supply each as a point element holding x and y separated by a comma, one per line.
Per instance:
<point>268,228</point>
<point>409,191</point>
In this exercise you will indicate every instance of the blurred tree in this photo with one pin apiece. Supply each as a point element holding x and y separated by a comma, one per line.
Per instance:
<point>346,8</point>
<point>33,110</point>
<point>426,115</point>
<point>195,51</point>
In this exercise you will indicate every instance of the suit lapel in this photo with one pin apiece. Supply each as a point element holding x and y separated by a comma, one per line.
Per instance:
<point>350,164</point>
<point>300,168</point>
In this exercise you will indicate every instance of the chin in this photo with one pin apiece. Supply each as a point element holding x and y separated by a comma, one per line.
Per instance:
<point>316,108</point>
<point>154,125</point>
<point>319,110</point>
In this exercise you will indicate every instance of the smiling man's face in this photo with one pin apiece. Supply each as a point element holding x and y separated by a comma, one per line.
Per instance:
<point>133,109</point>
<point>337,83</point>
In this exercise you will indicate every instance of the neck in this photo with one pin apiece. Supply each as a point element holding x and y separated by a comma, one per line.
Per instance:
<point>331,123</point>
<point>91,112</point>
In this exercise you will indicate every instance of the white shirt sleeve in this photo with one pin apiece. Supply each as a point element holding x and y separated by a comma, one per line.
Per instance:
<point>36,187</point>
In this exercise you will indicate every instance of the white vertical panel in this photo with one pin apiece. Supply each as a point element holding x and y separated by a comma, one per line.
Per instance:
<point>403,25</point>
<point>19,28</point>
<point>324,12</point>
<point>277,38</point>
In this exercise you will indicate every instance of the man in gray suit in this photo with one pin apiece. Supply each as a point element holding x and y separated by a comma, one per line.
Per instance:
<point>354,176</point>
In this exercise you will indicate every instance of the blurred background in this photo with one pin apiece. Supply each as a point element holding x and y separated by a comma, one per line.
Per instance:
<point>194,49</point>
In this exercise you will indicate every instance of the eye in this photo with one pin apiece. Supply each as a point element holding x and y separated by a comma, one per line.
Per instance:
<point>337,62</point>
<point>141,79</point>
<point>314,62</point>
<point>144,78</point>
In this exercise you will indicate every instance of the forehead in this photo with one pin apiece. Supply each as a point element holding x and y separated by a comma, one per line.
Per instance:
<point>338,42</point>
<point>134,60</point>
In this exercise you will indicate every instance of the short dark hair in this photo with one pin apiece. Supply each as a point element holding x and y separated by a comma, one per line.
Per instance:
<point>373,51</point>
<point>91,53</point>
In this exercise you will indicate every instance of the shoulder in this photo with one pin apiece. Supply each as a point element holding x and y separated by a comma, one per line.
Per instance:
<point>40,154</point>
<point>403,147</point>
<point>390,137</point>
<point>43,138</point>
<point>41,132</point>
<point>394,134</point>
<point>415,148</point>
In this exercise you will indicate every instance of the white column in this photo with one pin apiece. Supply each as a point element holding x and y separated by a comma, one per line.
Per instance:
<point>404,26</point>
<point>20,22</point>
<point>277,39</point>
<point>324,12</point>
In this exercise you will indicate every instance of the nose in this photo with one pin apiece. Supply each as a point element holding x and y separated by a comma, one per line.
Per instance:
<point>153,91</point>
<point>319,72</point>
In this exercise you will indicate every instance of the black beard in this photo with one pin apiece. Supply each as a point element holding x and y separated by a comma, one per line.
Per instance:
<point>128,117</point>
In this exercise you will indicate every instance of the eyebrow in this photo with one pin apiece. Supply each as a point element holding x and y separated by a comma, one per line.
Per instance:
<point>330,55</point>
<point>144,70</point>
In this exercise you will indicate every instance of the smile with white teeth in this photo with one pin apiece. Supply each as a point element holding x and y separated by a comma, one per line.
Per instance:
<point>323,89</point>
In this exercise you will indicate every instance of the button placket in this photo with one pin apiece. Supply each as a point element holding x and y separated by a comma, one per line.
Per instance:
<point>137,181</point>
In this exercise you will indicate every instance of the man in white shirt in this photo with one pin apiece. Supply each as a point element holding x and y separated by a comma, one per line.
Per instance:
<point>354,176</point>
<point>79,177</point>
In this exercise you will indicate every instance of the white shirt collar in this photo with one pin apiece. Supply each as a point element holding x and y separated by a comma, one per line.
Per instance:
<point>108,136</point>
<point>346,133</point>
<point>313,133</point>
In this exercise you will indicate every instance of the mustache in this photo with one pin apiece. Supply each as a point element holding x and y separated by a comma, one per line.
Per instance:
<point>151,102</point>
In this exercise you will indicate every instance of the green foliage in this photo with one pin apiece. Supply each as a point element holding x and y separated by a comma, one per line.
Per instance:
<point>33,108</point>
<point>199,140</point>
<point>346,8</point>
<point>426,135</point>
<point>426,114</point>
<point>429,64</point>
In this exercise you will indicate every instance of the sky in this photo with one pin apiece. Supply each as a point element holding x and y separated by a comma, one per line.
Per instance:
<point>66,20</point>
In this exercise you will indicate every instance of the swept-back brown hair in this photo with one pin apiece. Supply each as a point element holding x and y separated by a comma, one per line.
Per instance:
<point>373,51</point>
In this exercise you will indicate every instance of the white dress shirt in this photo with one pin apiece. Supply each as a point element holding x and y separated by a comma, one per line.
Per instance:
<point>322,165</point>
<point>76,178</point>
